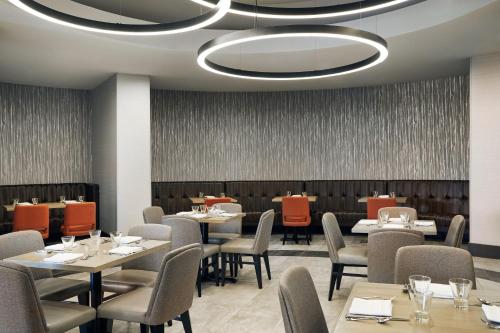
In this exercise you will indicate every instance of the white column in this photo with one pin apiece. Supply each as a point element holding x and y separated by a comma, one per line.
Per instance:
<point>485,155</point>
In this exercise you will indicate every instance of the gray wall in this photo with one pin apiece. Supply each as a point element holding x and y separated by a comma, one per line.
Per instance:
<point>417,130</point>
<point>45,135</point>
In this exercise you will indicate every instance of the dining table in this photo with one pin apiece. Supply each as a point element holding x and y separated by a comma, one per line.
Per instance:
<point>201,200</point>
<point>310,198</point>
<point>364,226</point>
<point>399,200</point>
<point>93,265</point>
<point>52,205</point>
<point>444,317</point>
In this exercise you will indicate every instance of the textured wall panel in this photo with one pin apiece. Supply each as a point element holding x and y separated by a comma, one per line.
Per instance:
<point>417,130</point>
<point>45,135</point>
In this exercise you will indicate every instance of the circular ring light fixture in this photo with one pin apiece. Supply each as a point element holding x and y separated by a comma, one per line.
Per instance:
<point>290,31</point>
<point>343,12</point>
<point>220,8</point>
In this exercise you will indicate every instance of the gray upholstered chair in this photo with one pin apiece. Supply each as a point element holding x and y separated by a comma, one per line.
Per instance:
<point>48,287</point>
<point>340,255</point>
<point>171,295</point>
<point>21,309</point>
<point>440,263</point>
<point>152,214</point>
<point>256,247</point>
<point>455,234</point>
<point>394,212</point>
<point>230,229</point>
<point>187,231</point>
<point>141,272</point>
<point>382,247</point>
<point>300,307</point>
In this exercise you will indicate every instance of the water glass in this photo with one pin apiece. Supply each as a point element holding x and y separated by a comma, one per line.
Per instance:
<point>201,195</point>
<point>68,242</point>
<point>304,194</point>
<point>461,289</point>
<point>116,238</point>
<point>384,216</point>
<point>422,304</point>
<point>419,283</point>
<point>223,195</point>
<point>95,236</point>
<point>81,198</point>
<point>288,193</point>
<point>203,209</point>
<point>34,201</point>
<point>195,209</point>
<point>392,194</point>
<point>62,198</point>
<point>15,201</point>
<point>405,218</point>
<point>375,194</point>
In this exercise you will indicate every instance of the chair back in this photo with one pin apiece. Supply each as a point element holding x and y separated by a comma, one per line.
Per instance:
<point>333,236</point>
<point>374,204</point>
<point>35,217</point>
<point>300,306</point>
<point>382,247</point>
<point>264,231</point>
<point>153,261</point>
<point>395,212</point>
<point>185,231</point>
<point>233,226</point>
<point>21,242</point>
<point>455,234</point>
<point>296,212</point>
<point>440,263</point>
<point>153,214</point>
<point>20,307</point>
<point>209,202</point>
<point>172,293</point>
<point>79,219</point>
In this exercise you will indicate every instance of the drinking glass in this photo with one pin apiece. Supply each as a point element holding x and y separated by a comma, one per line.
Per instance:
<point>384,216</point>
<point>81,198</point>
<point>201,195</point>
<point>34,201</point>
<point>419,283</point>
<point>62,198</point>
<point>392,194</point>
<point>422,304</point>
<point>195,209</point>
<point>405,218</point>
<point>304,194</point>
<point>288,193</point>
<point>203,209</point>
<point>68,242</point>
<point>461,289</point>
<point>116,238</point>
<point>375,194</point>
<point>95,236</point>
<point>223,195</point>
<point>15,201</point>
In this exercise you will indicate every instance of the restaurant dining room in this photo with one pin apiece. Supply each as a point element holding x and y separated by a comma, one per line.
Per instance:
<point>221,166</point>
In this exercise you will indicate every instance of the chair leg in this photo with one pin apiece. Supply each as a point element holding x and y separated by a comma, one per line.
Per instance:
<point>236,264</point>
<point>157,328</point>
<point>231,264</point>
<point>284,235</point>
<point>339,277</point>
<point>186,322</point>
<point>307,235</point>
<point>295,236</point>
<point>333,277</point>
<point>198,282</point>
<point>240,260</point>
<point>258,270</point>
<point>215,264</point>
<point>144,328</point>
<point>266,262</point>
<point>83,299</point>
<point>224,265</point>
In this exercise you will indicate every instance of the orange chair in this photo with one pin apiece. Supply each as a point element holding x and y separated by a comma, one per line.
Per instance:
<point>79,219</point>
<point>374,204</point>
<point>296,215</point>
<point>209,202</point>
<point>34,217</point>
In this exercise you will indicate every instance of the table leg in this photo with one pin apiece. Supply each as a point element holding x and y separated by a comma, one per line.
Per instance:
<point>204,232</point>
<point>96,296</point>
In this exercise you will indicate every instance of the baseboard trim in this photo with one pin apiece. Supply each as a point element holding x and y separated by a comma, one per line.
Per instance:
<point>486,251</point>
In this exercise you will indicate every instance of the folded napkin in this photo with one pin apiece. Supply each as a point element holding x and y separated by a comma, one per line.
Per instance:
<point>384,196</point>
<point>395,220</point>
<point>199,216</point>
<point>296,195</point>
<point>368,222</point>
<point>58,247</point>
<point>441,290</point>
<point>393,226</point>
<point>228,214</point>
<point>371,307</point>
<point>423,223</point>
<point>70,201</point>
<point>130,239</point>
<point>62,258</point>
<point>25,204</point>
<point>184,213</point>
<point>125,250</point>
<point>209,197</point>
<point>492,313</point>
<point>217,211</point>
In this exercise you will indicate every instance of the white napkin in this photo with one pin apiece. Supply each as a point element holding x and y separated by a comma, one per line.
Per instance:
<point>130,239</point>
<point>491,312</point>
<point>384,196</point>
<point>368,222</point>
<point>58,247</point>
<point>184,213</point>
<point>296,195</point>
<point>70,201</point>
<point>371,307</point>
<point>216,211</point>
<point>125,250</point>
<point>441,290</point>
<point>25,204</point>
<point>423,223</point>
<point>62,258</point>
<point>199,216</point>
<point>393,226</point>
<point>395,220</point>
<point>209,197</point>
<point>228,214</point>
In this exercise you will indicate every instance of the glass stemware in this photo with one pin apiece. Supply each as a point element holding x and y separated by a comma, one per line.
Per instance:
<point>116,238</point>
<point>461,289</point>
<point>34,201</point>
<point>68,242</point>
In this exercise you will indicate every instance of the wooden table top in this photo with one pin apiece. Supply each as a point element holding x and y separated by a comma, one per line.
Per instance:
<point>399,200</point>
<point>52,205</point>
<point>212,219</point>
<point>201,201</point>
<point>94,264</point>
<point>364,229</point>
<point>310,198</point>
<point>444,317</point>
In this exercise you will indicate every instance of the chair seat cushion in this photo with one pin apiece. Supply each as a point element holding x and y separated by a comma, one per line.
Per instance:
<point>60,289</point>
<point>210,249</point>
<point>62,317</point>
<point>223,235</point>
<point>353,255</point>
<point>239,245</point>
<point>131,306</point>
<point>128,279</point>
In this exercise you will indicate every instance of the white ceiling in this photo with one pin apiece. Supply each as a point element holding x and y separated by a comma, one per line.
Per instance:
<point>431,39</point>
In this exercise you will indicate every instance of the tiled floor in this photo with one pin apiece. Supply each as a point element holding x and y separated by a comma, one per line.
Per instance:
<point>242,307</point>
